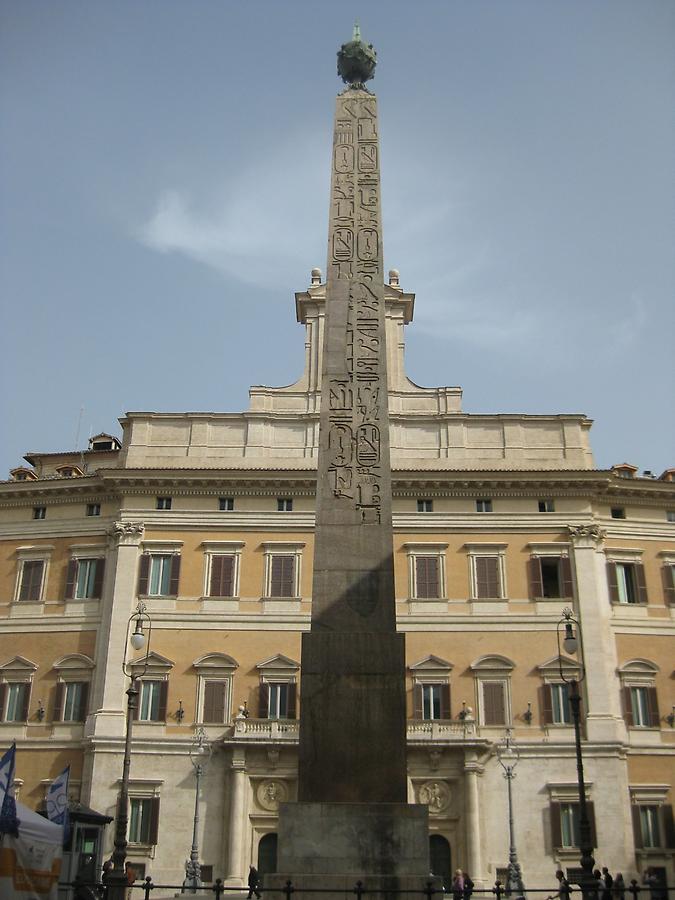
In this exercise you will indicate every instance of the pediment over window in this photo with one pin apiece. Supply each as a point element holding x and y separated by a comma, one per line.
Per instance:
<point>553,665</point>
<point>638,667</point>
<point>156,664</point>
<point>215,661</point>
<point>74,661</point>
<point>278,662</point>
<point>431,663</point>
<point>19,664</point>
<point>21,473</point>
<point>491,663</point>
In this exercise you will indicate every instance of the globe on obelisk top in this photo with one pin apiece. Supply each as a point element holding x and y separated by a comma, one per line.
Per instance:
<point>356,61</point>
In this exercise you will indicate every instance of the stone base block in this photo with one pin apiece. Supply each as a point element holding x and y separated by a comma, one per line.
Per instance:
<point>341,887</point>
<point>353,841</point>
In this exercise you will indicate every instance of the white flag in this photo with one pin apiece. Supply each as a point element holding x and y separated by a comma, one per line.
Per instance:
<point>57,801</point>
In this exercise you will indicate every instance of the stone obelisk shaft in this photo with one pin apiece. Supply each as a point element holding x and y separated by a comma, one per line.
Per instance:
<point>352,730</point>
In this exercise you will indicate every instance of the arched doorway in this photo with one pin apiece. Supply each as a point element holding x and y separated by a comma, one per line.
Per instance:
<point>267,855</point>
<point>440,859</point>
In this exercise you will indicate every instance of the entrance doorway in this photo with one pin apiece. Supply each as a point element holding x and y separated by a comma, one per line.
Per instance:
<point>267,855</point>
<point>440,859</point>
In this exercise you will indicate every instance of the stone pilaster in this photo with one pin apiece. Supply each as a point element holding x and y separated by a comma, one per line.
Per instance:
<point>237,824</point>
<point>474,855</point>
<point>601,688</point>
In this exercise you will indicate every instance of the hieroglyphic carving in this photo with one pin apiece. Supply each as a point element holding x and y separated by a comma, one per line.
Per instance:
<point>354,434</point>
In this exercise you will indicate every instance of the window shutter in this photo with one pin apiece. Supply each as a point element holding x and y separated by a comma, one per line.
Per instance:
<point>546,704</point>
<point>163,694</point>
<point>137,709</point>
<point>154,820</point>
<point>214,702</point>
<point>222,569</point>
<point>627,706</point>
<point>667,573</point>
<point>84,698</point>
<point>612,583</point>
<point>283,576</point>
<point>640,582</point>
<point>71,577</point>
<point>291,712</point>
<point>427,577</point>
<point>536,581</point>
<point>637,827</point>
<point>3,694</point>
<point>57,714</point>
<point>494,712</point>
<point>31,580</point>
<point>566,577</point>
<point>98,578</point>
<point>418,701</point>
<point>487,577</point>
<point>668,828</point>
<point>653,705</point>
<point>590,809</point>
<point>26,702</point>
<point>445,701</point>
<point>264,701</point>
<point>143,572</point>
<point>556,830</point>
<point>175,575</point>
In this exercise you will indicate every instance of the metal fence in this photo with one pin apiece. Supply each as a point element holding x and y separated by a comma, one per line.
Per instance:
<point>83,890</point>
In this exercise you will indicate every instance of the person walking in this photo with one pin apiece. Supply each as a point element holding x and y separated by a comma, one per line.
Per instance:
<point>130,872</point>
<point>564,889</point>
<point>468,886</point>
<point>607,882</point>
<point>253,882</point>
<point>619,887</point>
<point>458,885</point>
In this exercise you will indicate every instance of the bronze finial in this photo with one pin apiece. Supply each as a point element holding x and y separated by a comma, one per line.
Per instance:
<point>356,61</point>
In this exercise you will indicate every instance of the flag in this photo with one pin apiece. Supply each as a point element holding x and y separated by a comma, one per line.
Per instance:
<point>9,823</point>
<point>57,802</point>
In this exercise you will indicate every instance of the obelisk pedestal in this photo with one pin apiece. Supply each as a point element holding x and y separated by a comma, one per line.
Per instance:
<point>352,822</point>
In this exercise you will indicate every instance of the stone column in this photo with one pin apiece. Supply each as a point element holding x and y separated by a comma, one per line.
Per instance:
<point>108,701</point>
<point>237,819</point>
<point>474,859</point>
<point>600,688</point>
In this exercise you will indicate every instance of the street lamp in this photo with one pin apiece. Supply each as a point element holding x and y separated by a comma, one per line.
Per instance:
<point>571,644</point>
<point>508,756</point>
<point>117,879</point>
<point>193,871</point>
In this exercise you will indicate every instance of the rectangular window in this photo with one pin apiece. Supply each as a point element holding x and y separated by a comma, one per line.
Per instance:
<point>649,826</point>
<point>152,705</point>
<point>159,574</point>
<point>281,698</point>
<point>214,706</point>
<point>427,580</point>
<point>74,701</point>
<point>546,506</point>
<point>484,506</point>
<point>17,695</point>
<point>164,502</point>
<point>494,702</point>
<point>618,512</point>
<point>143,820</point>
<point>487,577</point>
<point>93,509</point>
<point>626,581</point>
<point>668,575</point>
<point>425,506</point>
<point>569,824</point>
<point>431,701</point>
<point>32,572</point>
<point>284,504</point>
<point>86,578</point>
<point>639,704</point>
<point>226,504</point>
<point>221,581</point>
<point>39,512</point>
<point>282,580</point>
<point>560,704</point>
<point>550,577</point>
<point>670,515</point>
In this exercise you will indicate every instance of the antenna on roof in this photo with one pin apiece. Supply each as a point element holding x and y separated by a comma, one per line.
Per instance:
<point>79,424</point>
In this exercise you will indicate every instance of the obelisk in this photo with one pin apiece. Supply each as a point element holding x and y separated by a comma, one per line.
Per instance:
<point>351,819</point>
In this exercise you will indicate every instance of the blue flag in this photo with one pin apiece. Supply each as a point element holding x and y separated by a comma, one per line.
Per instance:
<point>9,824</point>
<point>57,802</point>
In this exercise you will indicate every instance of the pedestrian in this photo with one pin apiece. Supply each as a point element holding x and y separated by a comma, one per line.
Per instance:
<point>468,886</point>
<point>652,882</point>
<point>458,885</point>
<point>619,887</point>
<point>107,868</point>
<point>597,885</point>
<point>607,882</point>
<point>563,892</point>
<point>130,872</point>
<point>253,882</point>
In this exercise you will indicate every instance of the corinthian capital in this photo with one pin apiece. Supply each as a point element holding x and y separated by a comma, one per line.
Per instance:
<point>586,535</point>
<point>127,533</point>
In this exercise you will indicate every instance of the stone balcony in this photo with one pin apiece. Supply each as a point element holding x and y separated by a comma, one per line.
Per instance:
<point>287,730</point>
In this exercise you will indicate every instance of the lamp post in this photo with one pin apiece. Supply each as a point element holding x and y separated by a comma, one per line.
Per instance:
<point>193,871</point>
<point>508,756</point>
<point>117,879</point>
<point>571,644</point>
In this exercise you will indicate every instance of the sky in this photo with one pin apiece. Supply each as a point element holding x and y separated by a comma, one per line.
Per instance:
<point>164,184</point>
